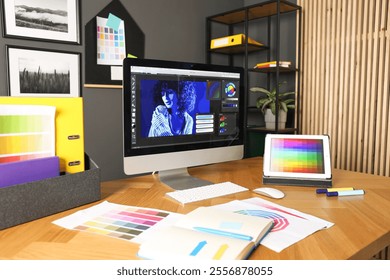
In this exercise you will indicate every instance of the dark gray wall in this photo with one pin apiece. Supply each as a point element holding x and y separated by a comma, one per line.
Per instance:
<point>174,30</point>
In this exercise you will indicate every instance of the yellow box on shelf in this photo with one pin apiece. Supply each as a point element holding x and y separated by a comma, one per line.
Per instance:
<point>233,40</point>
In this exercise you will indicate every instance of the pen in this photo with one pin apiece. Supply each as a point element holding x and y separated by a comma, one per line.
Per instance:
<point>345,193</point>
<point>224,233</point>
<point>333,190</point>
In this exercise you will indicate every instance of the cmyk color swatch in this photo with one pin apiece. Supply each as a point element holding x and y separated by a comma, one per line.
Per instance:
<point>123,223</point>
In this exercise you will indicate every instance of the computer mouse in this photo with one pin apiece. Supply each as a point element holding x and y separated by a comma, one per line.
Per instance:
<point>270,192</point>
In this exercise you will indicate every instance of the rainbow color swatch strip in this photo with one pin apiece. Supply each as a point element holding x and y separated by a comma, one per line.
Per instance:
<point>26,132</point>
<point>280,222</point>
<point>297,155</point>
<point>124,223</point>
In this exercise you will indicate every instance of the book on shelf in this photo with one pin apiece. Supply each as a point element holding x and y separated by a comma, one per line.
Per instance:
<point>274,63</point>
<point>207,233</point>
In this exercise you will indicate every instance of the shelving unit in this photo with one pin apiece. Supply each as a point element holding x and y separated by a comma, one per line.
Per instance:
<point>269,16</point>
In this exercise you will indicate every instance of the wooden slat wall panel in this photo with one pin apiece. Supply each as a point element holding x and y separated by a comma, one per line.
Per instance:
<point>346,80</point>
<point>385,88</point>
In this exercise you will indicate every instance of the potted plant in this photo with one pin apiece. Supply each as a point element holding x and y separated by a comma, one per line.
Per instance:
<point>268,106</point>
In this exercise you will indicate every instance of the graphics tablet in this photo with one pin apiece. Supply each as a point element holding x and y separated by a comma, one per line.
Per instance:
<point>297,156</point>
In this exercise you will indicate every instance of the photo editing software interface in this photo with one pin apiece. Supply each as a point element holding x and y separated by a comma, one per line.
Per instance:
<point>178,109</point>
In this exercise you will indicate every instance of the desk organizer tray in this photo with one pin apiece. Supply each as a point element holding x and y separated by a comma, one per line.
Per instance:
<point>26,202</point>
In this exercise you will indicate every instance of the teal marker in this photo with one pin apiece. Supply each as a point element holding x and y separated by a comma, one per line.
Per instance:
<point>224,233</point>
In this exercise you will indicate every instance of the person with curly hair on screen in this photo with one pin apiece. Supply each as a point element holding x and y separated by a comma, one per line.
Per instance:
<point>171,117</point>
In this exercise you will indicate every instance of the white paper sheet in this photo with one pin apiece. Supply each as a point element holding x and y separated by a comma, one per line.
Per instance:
<point>290,226</point>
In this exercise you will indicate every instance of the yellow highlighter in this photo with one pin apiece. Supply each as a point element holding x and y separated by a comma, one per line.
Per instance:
<point>325,190</point>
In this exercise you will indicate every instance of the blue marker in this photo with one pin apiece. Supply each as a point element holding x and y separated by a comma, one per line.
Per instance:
<point>224,233</point>
<point>345,193</point>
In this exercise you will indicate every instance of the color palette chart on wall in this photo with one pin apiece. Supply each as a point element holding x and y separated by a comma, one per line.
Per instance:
<point>114,220</point>
<point>26,132</point>
<point>297,155</point>
<point>111,42</point>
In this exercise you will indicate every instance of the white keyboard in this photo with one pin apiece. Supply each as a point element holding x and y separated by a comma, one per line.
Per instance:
<point>205,192</point>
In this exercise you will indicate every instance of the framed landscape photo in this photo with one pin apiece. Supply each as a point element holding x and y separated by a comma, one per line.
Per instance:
<point>53,20</point>
<point>43,73</point>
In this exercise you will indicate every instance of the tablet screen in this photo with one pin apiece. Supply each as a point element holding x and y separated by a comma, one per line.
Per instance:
<point>297,156</point>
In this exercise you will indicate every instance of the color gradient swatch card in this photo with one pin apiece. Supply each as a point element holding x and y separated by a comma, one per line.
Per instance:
<point>118,221</point>
<point>111,41</point>
<point>26,132</point>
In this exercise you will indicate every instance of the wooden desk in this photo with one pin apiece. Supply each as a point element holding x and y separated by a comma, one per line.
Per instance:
<point>362,223</point>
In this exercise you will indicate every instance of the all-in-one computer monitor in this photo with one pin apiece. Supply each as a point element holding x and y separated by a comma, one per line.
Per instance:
<point>178,115</point>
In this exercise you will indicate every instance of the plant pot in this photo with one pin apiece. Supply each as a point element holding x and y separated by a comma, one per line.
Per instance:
<point>269,119</point>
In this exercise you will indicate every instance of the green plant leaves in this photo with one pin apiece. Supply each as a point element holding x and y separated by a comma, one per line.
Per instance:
<point>269,101</point>
<point>260,89</point>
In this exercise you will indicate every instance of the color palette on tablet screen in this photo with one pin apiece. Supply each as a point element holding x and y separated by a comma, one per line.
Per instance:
<point>123,223</point>
<point>297,155</point>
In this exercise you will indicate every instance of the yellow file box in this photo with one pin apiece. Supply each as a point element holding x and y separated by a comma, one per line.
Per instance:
<point>233,40</point>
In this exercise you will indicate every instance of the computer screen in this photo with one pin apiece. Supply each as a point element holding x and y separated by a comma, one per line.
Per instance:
<point>178,115</point>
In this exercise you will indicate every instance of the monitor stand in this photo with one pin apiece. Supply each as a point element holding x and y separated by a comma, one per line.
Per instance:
<point>180,179</point>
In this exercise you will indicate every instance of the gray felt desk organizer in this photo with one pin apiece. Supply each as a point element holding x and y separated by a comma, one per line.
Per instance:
<point>26,202</point>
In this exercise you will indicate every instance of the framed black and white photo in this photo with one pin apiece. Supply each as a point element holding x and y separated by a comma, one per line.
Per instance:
<point>54,20</point>
<point>43,73</point>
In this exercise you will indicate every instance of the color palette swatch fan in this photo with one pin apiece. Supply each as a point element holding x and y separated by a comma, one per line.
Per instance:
<point>26,132</point>
<point>302,160</point>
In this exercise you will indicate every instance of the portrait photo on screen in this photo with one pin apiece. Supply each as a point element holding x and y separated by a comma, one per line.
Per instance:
<point>170,107</point>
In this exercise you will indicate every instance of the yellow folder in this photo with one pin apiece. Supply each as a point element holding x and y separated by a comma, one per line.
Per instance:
<point>69,128</point>
<point>233,40</point>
